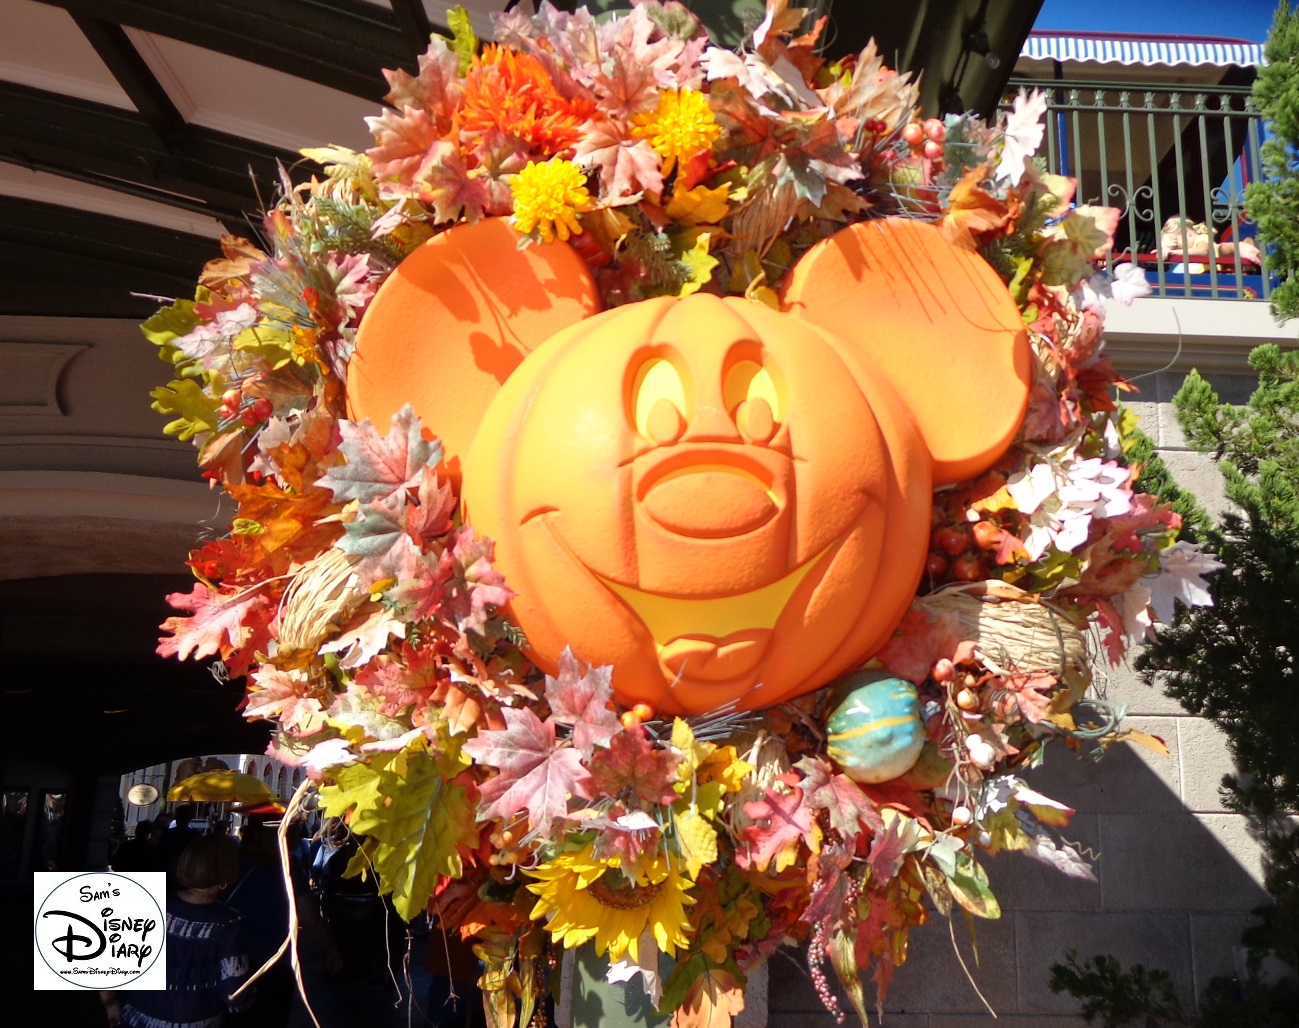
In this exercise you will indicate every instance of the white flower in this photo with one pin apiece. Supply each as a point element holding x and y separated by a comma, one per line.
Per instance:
<point>1022,135</point>
<point>1061,500</point>
<point>1182,568</point>
<point>1128,283</point>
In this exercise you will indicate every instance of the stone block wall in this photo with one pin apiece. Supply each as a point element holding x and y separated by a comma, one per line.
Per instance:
<point>1177,873</point>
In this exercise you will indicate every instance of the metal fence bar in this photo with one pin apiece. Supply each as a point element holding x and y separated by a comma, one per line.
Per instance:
<point>1200,145</point>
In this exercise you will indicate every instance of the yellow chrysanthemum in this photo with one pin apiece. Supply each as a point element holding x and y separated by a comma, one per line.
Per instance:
<point>548,197</point>
<point>680,127</point>
<point>586,898</point>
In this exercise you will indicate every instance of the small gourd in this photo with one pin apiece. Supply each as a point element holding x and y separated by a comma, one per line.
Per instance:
<point>875,730</point>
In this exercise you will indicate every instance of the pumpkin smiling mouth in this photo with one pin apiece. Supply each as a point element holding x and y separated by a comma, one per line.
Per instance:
<point>714,639</point>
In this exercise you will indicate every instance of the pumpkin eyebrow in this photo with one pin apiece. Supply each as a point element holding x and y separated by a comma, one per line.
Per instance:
<point>538,512</point>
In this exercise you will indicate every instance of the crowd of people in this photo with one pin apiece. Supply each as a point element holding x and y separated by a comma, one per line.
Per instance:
<point>228,914</point>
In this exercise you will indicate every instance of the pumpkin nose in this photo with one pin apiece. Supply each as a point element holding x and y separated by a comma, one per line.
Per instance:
<point>710,502</point>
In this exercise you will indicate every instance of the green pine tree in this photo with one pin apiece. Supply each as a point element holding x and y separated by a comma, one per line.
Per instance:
<point>1235,662</point>
<point>1273,204</point>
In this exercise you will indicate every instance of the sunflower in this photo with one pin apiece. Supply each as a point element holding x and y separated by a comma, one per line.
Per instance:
<point>585,897</point>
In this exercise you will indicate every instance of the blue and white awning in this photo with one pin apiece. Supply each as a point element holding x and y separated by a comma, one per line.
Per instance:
<point>1130,48</point>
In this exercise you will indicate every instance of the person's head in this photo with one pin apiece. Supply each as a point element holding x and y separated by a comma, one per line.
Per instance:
<point>143,828</point>
<point>184,815</point>
<point>209,861</point>
<point>257,842</point>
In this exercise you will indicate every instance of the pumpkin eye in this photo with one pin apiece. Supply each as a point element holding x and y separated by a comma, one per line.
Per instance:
<point>753,400</point>
<point>659,401</point>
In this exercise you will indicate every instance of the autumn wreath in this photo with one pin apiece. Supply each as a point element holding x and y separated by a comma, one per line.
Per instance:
<point>530,811</point>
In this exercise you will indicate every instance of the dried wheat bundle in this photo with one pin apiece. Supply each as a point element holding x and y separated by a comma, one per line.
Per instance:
<point>321,598</point>
<point>1014,630</point>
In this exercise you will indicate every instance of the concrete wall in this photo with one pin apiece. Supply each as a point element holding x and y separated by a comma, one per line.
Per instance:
<point>1177,873</point>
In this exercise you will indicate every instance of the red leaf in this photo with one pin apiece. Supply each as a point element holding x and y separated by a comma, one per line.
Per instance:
<point>918,641</point>
<point>280,696</point>
<point>582,700</point>
<point>537,775</point>
<point>436,89</point>
<point>473,585</point>
<point>850,809</point>
<point>405,679</point>
<point>634,768</point>
<point>430,516</point>
<point>221,623</point>
<point>444,182</point>
<point>402,142</point>
<point>789,824</point>
<point>625,165</point>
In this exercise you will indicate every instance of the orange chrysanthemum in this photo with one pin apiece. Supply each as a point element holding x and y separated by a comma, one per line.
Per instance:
<point>513,92</point>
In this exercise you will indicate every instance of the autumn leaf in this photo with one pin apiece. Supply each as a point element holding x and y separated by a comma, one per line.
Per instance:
<point>713,1001</point>
<point>969,887</point>
<point>378,467</point>
<point>537,775</point>
<point>419,821</point>
<point>435,89</point>
<point>365,636</point>
<point>1032,693</point>
<point>699,264</point>
<point>972,212</point>
<point>919,640</point>
<point>474,587</point>
<point>1087,233</point>
<point>850,810</point>
<point>445,182</point>
<point>699,206</point>
<point>219,623</point>
<point>696,840</point>
<point>404,679</point>
<point>634,768</point>
<point>234,267</point>
<point>197,411</point>
<point>291,526</point>
<point>626,166</point>
<point>583,701</point>
<point>788,826</point>
<point>402,142</point>
<point>284,697</point>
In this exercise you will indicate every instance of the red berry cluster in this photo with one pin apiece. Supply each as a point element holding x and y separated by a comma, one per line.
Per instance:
<point>927,136</point>
<point>961,551</point>
<point>250,410</point>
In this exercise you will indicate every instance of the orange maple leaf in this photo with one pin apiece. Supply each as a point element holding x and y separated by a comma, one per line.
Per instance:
<point>712,1002</point>
<point>973,211</point>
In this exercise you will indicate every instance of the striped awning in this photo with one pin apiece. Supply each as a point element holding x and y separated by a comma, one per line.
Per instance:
<point>1130,48</point>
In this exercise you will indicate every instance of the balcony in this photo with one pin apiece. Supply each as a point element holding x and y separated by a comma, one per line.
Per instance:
<point>1163,128</point>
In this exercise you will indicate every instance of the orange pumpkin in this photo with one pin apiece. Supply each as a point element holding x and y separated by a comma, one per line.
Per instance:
<point>729,504</point>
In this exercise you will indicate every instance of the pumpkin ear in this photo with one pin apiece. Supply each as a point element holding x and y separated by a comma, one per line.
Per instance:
<point>936,321</point>
<point>447,328</point>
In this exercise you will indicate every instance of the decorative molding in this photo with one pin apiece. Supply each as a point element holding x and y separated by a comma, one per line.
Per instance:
<point>1159,333</point>
<point>99,495</point>
<point>30,375</point>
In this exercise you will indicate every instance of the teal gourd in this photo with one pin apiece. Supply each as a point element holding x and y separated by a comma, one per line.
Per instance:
<point>875,730</point>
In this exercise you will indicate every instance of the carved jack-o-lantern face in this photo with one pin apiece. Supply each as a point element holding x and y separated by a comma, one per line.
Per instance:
<point>726,502</point>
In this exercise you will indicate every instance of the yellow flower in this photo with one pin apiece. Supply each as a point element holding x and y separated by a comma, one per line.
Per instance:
<point>681,127</point>
<point>585,897</point>
<point>548,198</point>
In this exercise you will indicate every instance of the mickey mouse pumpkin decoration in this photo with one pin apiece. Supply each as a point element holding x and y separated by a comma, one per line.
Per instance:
<point>728,503</point>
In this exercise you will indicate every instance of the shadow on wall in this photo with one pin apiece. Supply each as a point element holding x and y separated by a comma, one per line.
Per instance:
<point>1177,877</point>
